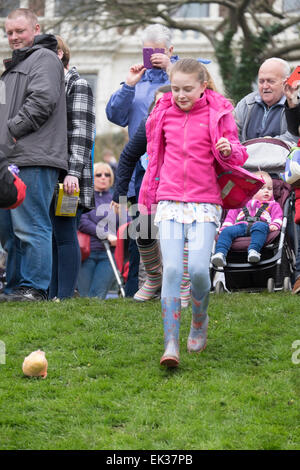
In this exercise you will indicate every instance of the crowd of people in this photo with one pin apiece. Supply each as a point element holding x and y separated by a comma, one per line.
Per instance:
<point>182,131</point>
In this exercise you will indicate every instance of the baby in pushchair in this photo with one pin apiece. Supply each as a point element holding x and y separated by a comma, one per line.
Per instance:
<point>261,215</point>
<point>257,250</point>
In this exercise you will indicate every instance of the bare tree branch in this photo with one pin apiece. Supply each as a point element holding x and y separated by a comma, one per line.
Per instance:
<point>284,50</point>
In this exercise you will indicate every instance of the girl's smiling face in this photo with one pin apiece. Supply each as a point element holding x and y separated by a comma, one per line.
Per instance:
<point>186,89</point>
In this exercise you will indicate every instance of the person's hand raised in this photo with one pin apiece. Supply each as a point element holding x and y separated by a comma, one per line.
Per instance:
<point>291,93</point>
<point>161,61</point>
<point>135,74</point>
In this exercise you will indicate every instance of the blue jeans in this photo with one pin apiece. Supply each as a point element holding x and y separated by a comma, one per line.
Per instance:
<point>95,275</point>
<point>200,237</point>
<point>258,233</point>
<point>66,256</point>
<point>26,232</point>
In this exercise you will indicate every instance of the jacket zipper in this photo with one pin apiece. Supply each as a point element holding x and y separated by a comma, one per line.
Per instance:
<point>185,156</point>
<point>152,126</point>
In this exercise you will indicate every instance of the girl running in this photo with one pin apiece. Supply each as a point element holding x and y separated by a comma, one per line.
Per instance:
<point>189,130</point>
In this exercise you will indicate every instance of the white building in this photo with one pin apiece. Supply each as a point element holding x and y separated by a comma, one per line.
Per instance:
<point>104,57</point>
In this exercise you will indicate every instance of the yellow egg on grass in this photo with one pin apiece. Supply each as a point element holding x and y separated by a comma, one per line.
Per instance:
<point>35,365</point>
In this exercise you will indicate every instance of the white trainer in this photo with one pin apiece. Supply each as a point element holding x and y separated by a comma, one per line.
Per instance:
<point>219,260</point>
<point>253,256</point>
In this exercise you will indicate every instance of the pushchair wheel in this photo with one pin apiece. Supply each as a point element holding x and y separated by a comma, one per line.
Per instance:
<point>219,287</point>
<point>271,284</point>
<point>287,285</point>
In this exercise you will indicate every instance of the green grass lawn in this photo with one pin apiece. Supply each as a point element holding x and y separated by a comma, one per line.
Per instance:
<point>106,390</point>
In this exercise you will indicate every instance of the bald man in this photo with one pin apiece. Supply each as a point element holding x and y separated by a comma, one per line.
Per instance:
<point>262,112</point>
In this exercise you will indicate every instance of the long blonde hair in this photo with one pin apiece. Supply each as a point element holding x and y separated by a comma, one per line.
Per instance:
<point>193,66</point>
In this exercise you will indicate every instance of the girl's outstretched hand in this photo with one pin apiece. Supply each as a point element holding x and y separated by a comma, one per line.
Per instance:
<point>223,146</point>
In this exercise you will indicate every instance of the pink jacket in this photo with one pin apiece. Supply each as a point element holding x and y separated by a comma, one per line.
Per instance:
<point>221,124</point>
<point>272,214</point>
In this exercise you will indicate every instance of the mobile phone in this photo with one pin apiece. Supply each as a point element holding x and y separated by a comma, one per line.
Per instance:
<point>294,77</point>
<point>147,53</point>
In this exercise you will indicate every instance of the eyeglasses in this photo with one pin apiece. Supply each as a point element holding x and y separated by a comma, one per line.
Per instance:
<point>101,174</point>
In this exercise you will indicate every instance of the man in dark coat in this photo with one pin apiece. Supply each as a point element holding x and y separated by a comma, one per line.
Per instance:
<point>33,125</point>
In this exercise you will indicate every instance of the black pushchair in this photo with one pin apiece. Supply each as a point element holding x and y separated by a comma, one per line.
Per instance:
<point>278,256</point>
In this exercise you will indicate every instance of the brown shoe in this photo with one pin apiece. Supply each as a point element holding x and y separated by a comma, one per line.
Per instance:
<point>296,288</point>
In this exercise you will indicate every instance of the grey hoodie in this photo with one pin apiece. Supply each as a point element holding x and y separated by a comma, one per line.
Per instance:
<point>35,109</point>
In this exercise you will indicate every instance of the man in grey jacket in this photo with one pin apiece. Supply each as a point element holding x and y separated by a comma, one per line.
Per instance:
<point>262,113</point>
<point>33,124</point>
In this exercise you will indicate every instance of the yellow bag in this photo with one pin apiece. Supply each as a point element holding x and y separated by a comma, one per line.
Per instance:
<point>66,205</point>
